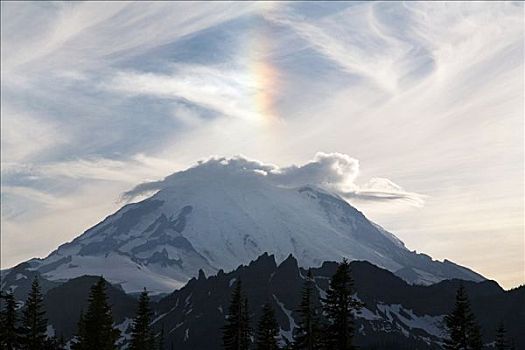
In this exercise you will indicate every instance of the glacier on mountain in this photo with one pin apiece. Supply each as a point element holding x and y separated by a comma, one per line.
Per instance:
<point>226,212</point>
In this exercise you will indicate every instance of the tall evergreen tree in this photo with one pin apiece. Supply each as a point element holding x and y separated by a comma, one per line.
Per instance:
<point>339,307</point>
<point>501,338</point>
<point>246,334</point>
<point>307,335</point>
<point>9,332</point>
<point>142,337</point>
<point>34,324</point>
<point>95,327</point>
<point>463,330</point>
<point>267,330</point>
<point>476,342</point>
<point>236,332</point>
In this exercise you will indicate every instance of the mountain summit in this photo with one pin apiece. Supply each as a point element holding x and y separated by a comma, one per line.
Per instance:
<point>226,212</point>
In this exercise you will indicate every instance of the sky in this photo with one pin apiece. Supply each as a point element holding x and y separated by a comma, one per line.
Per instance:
<point>416,109</point>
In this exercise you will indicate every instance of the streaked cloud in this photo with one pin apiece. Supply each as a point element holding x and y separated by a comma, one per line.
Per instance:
<point>100,97</point>
<point>77,36</point>
<point>224,91</point>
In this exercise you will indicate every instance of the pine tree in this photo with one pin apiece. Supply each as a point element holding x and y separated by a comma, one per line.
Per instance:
<point>501,338</point>
<point>267,330</point>
<point>339,307</point>
<point>246,332</point>
<point>9,332</point>
<point>95,327</point>
<point>142,337</point>
<point>307,335</point>
<point>34,325</point>
<point>236,332</point>
<point>476,343</point>
<point>463,330</point>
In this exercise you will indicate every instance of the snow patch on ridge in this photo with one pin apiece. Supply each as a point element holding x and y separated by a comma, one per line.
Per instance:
<point>291,321</point>
<point>430,324</point>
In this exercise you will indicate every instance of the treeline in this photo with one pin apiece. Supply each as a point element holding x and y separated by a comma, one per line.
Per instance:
<point>331,326</point>
<point>27,331</point>
<point>95,328</point>
<point>325,324</point>
<point>464,331</point>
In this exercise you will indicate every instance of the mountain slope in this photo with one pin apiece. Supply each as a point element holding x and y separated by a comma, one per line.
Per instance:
<point>64,304</point>
<point>396,315</point>
<point>215,216</point>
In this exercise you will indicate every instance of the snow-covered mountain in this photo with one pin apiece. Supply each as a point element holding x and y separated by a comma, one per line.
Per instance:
<point>216,216</point>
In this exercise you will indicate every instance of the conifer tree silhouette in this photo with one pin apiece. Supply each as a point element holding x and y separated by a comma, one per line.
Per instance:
<point>236,332</point>
<point>142,337</point>
<point>9,332</point>
<point>307,335</point>
<point>34,324</point>
<point>267,330</point>
<point>95,327</point>
<point>339,307</point>
<point>463,330</point>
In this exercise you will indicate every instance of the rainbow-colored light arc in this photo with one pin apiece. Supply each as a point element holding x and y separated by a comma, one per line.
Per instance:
<point>264,73</point>
<point>266,87</point>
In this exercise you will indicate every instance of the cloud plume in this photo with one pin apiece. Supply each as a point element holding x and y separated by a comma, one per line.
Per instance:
<point>335,172</point>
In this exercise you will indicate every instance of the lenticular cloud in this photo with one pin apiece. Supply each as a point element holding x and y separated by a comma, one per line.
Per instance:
<point>334,172</point>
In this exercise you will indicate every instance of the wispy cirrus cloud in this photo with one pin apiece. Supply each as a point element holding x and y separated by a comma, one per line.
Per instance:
<point>226,92</point>
<point>98,97</point>
<point>25,134</point>
<point>77,36</point>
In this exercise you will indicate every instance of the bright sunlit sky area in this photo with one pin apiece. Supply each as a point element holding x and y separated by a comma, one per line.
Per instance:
<point>423,102</point>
